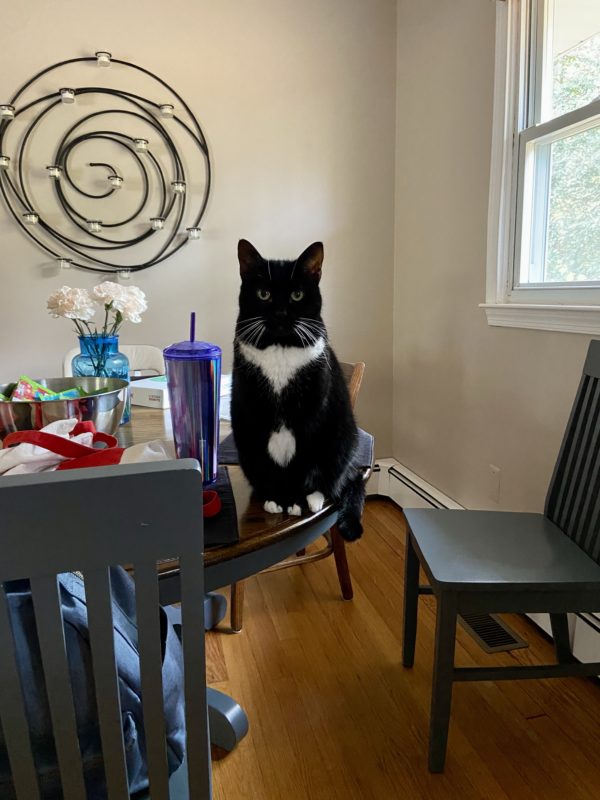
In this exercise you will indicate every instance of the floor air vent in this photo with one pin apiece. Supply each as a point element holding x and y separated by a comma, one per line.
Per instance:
<point>491,633</point>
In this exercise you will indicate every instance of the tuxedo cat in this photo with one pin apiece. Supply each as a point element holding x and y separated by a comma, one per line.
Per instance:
<point>290,409</point>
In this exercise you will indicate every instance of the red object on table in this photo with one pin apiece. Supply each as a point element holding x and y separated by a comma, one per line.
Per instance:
<point>80,455</point>
<point>211,503</point>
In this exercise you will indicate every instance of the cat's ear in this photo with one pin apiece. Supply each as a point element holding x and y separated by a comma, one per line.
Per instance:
<point>249,257</point>
<point>311,261</point>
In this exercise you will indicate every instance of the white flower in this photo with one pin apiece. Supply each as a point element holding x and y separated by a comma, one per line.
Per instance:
<point>107,292</point>
<point>132,304</point>
<point>71,303</point>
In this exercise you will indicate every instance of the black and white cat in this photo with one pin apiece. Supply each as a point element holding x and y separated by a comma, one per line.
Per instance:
<point>290,409</point>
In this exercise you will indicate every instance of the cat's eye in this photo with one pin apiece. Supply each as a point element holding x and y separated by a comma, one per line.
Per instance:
<point>263,294</point>
<point>297,295</point>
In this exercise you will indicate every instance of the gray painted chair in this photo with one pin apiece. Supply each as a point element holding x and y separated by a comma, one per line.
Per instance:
<point>493,561</point>
<point>87,520</point>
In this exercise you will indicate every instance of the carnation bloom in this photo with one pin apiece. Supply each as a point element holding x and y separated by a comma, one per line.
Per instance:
<point>107,292</point>
<point>71,304</point>
<point>132,304</point>
<point>120,304</point>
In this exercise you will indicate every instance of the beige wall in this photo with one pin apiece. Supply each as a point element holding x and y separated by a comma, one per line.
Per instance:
<point>466,395</point>
<point>297,102</point>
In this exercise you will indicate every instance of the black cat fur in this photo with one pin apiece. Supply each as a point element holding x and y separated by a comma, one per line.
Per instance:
<point>287,381</point>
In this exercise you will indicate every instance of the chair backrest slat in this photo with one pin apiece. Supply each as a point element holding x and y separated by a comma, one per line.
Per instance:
<point>100,622</point>
<point>51,638</point>
<point>353,375</point>
<point>592,543</point>
<point>148,623</point>
<point>578,454</point>
<point>12,712</point>
<point>196,713</point>
<point>572,501</point>
<point>587,479</point>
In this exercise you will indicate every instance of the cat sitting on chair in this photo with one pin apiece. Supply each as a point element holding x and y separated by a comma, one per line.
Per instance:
<point>290,408</point>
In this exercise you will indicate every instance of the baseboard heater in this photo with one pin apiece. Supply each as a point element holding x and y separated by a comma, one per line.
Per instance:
<point>392,479</point>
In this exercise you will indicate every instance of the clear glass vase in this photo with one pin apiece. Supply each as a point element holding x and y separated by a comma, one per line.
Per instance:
<point>100,357</point>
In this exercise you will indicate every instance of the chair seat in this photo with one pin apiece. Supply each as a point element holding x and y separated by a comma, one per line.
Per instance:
<point>487,550</point>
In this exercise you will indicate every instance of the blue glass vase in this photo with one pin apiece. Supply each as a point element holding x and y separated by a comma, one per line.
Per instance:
<point>100,357</point>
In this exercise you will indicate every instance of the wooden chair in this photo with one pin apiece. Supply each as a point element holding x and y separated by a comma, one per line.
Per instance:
<point>87,520</point>
<point>494,562</point>
<point>334,544</point>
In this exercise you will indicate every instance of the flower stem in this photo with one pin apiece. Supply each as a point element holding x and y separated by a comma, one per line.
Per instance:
<point>107,307</point>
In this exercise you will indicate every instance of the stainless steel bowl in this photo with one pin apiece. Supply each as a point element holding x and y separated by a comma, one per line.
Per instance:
<point>104,409</point>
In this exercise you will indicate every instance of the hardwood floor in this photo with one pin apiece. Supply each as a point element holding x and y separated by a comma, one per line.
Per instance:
<point>333,715</point>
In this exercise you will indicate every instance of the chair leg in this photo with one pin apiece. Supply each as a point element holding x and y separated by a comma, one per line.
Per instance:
<point>441,692</point>
<point>411,603</point>
<point>237,606</point>
<point>560,633</point>
<point>341,563</point>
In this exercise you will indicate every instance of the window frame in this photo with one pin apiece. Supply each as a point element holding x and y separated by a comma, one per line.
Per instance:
<point>518,102</point>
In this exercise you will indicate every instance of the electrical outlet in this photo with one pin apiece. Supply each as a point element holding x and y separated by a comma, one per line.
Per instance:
<point>494,483</point>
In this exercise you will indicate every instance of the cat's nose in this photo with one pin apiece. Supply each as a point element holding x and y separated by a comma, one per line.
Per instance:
<point>281,314</point>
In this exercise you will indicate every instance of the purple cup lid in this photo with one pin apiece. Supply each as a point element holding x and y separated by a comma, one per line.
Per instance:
<point>192,351</point>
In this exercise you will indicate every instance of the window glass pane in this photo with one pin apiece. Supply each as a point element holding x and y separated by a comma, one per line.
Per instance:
<point>572,63</point>
<point>564,230</point>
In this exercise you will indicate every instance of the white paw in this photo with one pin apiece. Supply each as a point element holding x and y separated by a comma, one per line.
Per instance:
<point>271,507</point>
<point>295,510</point>
<point>315,501</point>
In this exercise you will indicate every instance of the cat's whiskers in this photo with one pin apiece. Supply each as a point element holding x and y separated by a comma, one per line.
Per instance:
<point>262,330</point>
<point>243,331</point>
<point>314,333</point>
<point>301,336</point>
<point>311,328</point>
<point>253,336</point>
<point>246,323</point>
<point>309,335</point>
<point>256,335</point>
<point>306,342</point>
<point>299,330</point>
<point>248,333</point>
<point>313,325</point>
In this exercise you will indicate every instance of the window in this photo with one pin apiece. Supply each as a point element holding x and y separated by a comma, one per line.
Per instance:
<point>544,216</point>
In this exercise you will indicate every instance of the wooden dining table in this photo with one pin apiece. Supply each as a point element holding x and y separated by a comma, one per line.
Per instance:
<point>264,539</point>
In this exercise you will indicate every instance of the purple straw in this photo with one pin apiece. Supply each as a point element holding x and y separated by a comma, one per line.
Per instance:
<point>193,326</point>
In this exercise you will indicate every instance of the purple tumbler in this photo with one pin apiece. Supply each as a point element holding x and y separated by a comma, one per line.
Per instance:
<point>194,380</point>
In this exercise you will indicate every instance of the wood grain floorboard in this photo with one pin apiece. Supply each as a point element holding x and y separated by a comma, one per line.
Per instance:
<point>216,669</point>
<point>334,716</point>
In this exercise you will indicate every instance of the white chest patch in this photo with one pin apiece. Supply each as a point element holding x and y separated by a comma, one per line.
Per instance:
<point>282,446</point>
<point>279,364</point>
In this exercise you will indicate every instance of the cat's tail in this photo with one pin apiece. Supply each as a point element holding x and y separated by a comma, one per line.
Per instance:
<point>351,504</point>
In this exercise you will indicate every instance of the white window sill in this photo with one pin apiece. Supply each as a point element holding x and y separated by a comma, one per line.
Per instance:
<point>573,319</point>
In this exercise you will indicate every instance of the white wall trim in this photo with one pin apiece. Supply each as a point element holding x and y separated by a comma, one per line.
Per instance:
<point>572,319</point>
<point>502,307</point>
<point>392,479</point>
<point>502,162</point>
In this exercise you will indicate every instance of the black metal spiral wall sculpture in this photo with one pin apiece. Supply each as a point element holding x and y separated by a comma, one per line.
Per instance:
<point>136,136</point>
